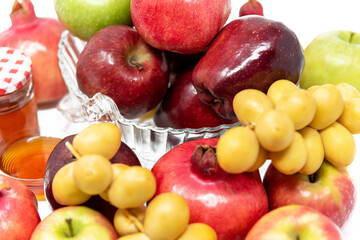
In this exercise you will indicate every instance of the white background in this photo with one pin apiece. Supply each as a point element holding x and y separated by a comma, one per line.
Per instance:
<point>306,18</point>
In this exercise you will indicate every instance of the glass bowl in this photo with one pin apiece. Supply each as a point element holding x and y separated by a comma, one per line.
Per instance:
<point>148,141</point>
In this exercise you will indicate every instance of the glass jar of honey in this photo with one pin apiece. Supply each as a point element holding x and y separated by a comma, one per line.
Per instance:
<point>18,109</point>
<point>23,156</point>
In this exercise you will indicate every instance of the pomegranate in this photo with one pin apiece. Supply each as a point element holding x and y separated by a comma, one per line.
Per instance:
<point>38,38</point>
<point>18,209</point>
<point>229,203</point>
<point>251,7</point>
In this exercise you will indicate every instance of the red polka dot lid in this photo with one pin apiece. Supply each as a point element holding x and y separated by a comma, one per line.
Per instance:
<point>15,70</point>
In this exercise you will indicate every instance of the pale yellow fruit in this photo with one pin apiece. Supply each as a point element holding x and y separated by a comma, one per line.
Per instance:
<point>166,217</point>
<point>237,150</point>
<point>348,91</point>
<point>261,159</point>
<point>293,158</point>
<point>313,88</point>
<point>299,105</point>
<point>124,224</point>
<point>350,117</point>
<point>315,150</point>
<point>117,169</point>
<point>101,138</point>
<point>278,88</point>
<point>274,130</point>
<point>132,188</point>
<point>329,106</point>
<point>135,236</point>
<point>339,145</point>
<point>248,104</point>
<point>197,231</point>
<point>64,188</point>
<point>93,173</point>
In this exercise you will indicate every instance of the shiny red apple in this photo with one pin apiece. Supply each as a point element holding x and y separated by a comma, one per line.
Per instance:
<point>18,209</point>
<point>179,63</point>
<point>294,222</point>
<point>249,52</point>
<point>229,203</point>
<point>117,62</point>
<point>61,155</point>
<point>179,26</point>
<point>330,190</point>
<point>181,107</point>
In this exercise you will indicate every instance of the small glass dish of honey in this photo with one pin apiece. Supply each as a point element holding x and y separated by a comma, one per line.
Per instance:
<point>25,159</point>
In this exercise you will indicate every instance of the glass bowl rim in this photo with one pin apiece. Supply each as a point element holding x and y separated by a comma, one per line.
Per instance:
<point>122,120</point>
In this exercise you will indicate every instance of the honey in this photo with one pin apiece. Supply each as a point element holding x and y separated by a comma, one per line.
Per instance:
<point>26,160</point>
<point>19,123</point>
<point>18,109</point>
<point>23,156</point>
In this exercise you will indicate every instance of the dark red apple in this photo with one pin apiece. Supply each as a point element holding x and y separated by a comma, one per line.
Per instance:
<point>249,52</point>
<point>181,107</point>
<point>229,203</point>
<point>61,155</point>
<point>117,62</point>
<point>251,7</point>
<point>330,191</point>
<point>179,63</point>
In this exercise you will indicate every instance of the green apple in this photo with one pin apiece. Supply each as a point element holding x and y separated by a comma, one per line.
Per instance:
<point>332,57</point>
<point>75,222</point>
<point>83,18</point>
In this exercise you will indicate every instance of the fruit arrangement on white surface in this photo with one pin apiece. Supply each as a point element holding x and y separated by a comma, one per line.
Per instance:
<point>279,170</point>
<point>123,187</point>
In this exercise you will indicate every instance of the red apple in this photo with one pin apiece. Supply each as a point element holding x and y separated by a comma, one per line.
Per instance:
<point>61,155</point>
<point>179,26</point>
<point>179,63</point>
<point>294,222</point>
<point>18,209</point>
<point>251,7</point>
<point>181,107</point>
<point>249,52</point>
<point>229,203</point>
<point>118,63</point>
<point>38,38</point>
<point>330,190</point>
<point>75,222</point>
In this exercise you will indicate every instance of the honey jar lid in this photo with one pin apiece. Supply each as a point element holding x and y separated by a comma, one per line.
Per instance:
<point>15,70</point>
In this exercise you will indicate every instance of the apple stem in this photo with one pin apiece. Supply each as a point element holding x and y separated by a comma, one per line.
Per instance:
<point>72,150</point>
<point>136,64</point>
<point>4,185</point>
<point>217,100</point>
<point>71,230</point>
<point>313,177</point>
<point>133,219</point>
<point>351,36</point>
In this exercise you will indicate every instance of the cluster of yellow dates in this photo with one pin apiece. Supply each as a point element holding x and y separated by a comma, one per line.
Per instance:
<point>295,128</point>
